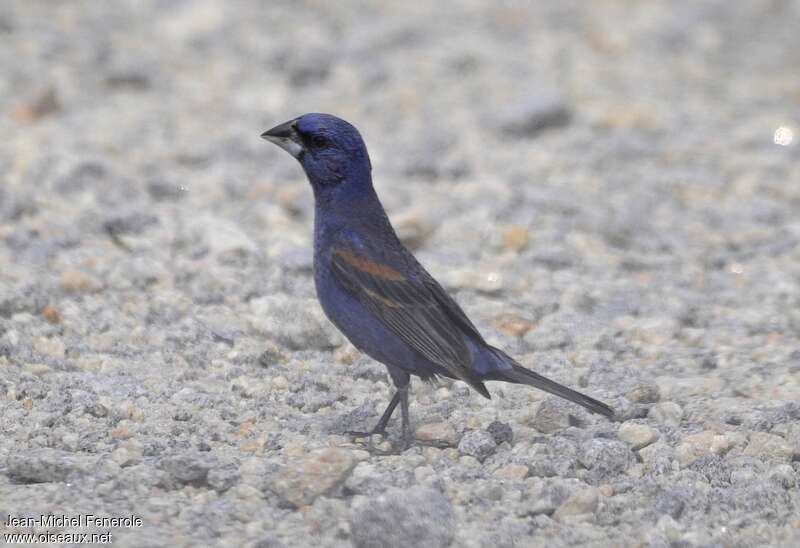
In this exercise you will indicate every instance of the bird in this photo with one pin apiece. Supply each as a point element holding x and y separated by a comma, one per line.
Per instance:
<point>374,290</point>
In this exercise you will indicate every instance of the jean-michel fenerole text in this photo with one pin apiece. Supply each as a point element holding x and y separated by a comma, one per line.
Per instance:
<point>79,520</point>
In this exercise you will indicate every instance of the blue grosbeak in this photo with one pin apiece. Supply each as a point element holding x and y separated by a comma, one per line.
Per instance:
<point>374,290</point>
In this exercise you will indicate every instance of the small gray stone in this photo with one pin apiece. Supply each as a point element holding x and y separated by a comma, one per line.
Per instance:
<point>784,475</point>
<point>478,444</point>
<point>21,299</point>
<point>543,498</point>
<point>658,459</point>
<point>547,337</point>
<point>552,415</point>
<point>671,502</point>
<point>644,393</point>
<point>418,516</point>
<point>501,432</point>
<point>271,356</point>
<point>666,413</point>
<point>555,456</point>
<point>182,415</point>
<point>46,465</point>
<point>715,469</point>
<point>605,459</point>
<point>161,190</point>
<point>221,478</point>
<point>190,468</point>
<point>531,114</point>
<point>130,223</point>
<point>269,541</point>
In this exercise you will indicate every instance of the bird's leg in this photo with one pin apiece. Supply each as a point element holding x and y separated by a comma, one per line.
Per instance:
<point>407,438</point>
<point>380,428</point>
<point>401,397</point>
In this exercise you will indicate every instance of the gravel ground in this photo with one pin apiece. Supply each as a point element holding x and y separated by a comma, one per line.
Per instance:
<point>597,184</point>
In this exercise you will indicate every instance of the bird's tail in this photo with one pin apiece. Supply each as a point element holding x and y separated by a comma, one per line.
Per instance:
<point>519,375</point>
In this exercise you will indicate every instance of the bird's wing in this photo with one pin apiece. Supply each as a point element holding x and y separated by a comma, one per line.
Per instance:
<point>419,312</point>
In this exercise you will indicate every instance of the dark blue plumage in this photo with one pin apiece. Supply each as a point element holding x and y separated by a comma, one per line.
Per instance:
<point>374,290</point>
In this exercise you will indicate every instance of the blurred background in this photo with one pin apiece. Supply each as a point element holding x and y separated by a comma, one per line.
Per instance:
<point>610,189</point>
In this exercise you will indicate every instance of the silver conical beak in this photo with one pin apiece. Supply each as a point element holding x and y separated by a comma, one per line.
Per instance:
<point>285,136</point>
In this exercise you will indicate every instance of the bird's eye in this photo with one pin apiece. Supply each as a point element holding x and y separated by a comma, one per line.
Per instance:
<point>318,141</point>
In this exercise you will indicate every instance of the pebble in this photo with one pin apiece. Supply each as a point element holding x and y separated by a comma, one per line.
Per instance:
<point>581,503</point>
<point>516,238</point>
<point>666,413</point>
<point>490,492</point>
<point>422,473</point>
<point>187,468</point>
<point>79,282</point>
<point>769,447</point>
<point>552,415</point>
<point>541,498</point>
<point>644,393</point>
<point>658,458</point>
<point>45,103</point>
<point>51,314</point>
<point>417,516</point>
<point>511,472</point>
<point>437,432</point>
<point>530,114</point>
<point>606,490</point>
<point>53,347</point>
<point>317,474</point>
<point>279,382</point>
<point>478,444</point>
<point>784,475</point>
<point>501,432</point>
<point>128,454</point>
<point>636,435</point>
<point>513,325</point>
<point>271,355</point>
<point>123,430</point>
<point>47,465</point>
<point>605,458</point>
<point>696,445</point>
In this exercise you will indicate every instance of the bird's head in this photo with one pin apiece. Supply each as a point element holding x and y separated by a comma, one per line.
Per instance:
<point>330,150</point>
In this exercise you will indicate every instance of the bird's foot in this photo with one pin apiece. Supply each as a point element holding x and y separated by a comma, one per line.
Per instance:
<point>403,444</point>
<point>370,439</point>
<point>381,452</point>
<point>383,449</point>
<point>436,444</point>
<point>394,448</point>
<point>357,435</point>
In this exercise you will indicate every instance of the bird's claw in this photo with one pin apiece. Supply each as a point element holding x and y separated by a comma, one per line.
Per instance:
<point>377,452</point>
<point>436,444</point>
<point>356,434</point>
<point>396,449</point>
<point>370,446</point>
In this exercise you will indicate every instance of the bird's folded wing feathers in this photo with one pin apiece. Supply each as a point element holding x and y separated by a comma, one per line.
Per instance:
<point>419,312</point>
